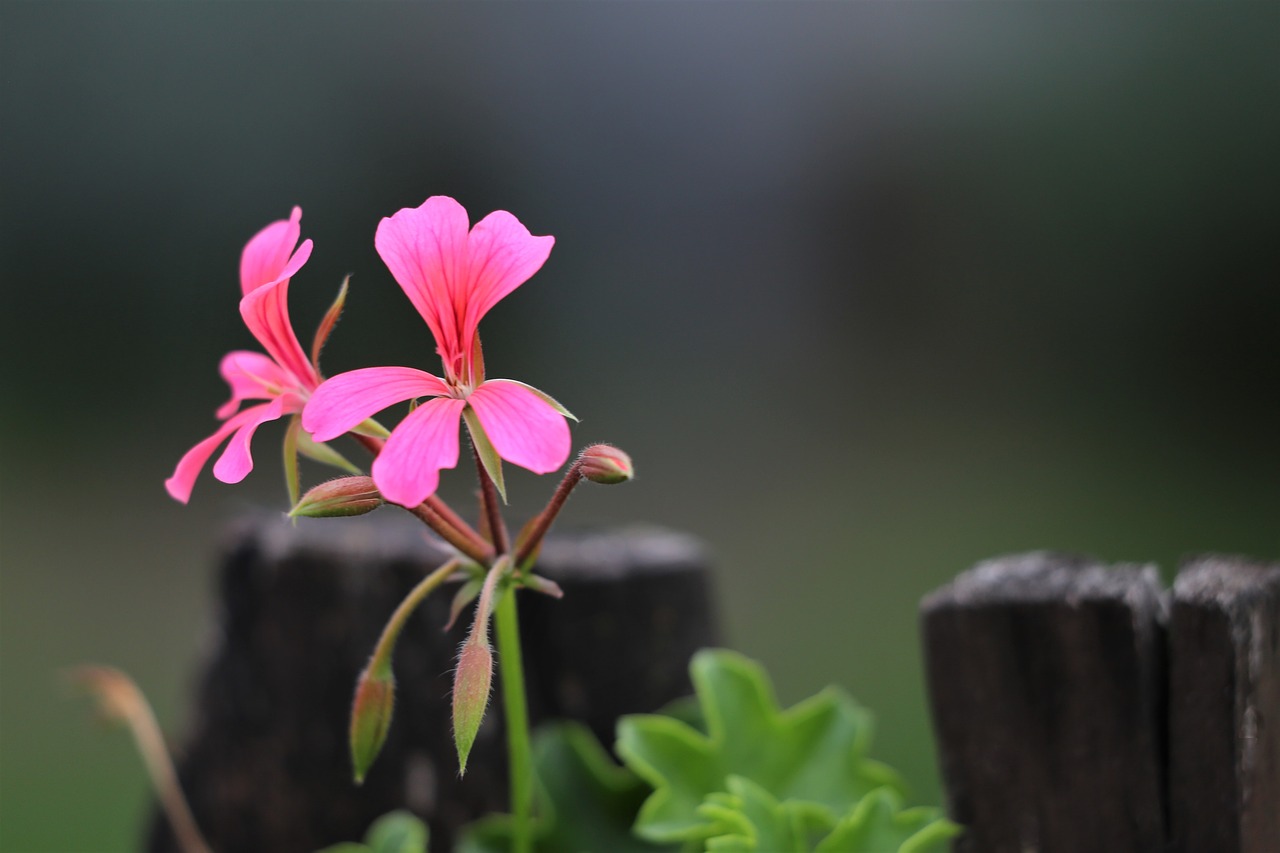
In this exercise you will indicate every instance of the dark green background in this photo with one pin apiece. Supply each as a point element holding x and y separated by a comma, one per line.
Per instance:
<point>870,292</point>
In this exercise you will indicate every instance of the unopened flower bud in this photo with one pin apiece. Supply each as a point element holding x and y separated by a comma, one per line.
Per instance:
<point>344,496</point>
<point>470,696</point>
<point>606,464</point>
<point>370,718</point>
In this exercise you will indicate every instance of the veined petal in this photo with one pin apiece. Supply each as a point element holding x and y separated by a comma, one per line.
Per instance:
<point>407,470</point>
<point>347,399</point>
<point>193,461</point>
<point>269,255</point>
<point>503,255</point>
<point>425,248</point>
<point>236,462</point>
<point>524,428</point>
<point>266,313</point>
<point>252,376</point>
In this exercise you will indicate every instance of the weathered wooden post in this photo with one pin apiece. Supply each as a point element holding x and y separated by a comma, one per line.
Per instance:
<point>265,761</point>
<point>1224,707</point>
<point>1075,710</point>
<point>1046,681</point>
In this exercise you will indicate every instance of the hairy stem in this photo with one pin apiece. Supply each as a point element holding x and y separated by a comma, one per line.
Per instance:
<point>548,515</point>
<point>515,706</point>
<point>489,497</point>
<point>380,663</point>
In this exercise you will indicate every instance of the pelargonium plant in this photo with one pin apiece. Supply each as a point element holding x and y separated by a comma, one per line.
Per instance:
<point>729,772</point>
<point>453,274</point>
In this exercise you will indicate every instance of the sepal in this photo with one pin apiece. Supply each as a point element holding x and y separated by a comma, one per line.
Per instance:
<point>489,457</point>
<point>327,323</point>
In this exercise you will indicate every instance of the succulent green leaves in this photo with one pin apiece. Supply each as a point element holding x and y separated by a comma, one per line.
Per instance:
<point>814,752</point>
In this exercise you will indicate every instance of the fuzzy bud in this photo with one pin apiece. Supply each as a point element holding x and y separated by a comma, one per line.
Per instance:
<point>370,719</point>
<point>344,496</point>
<point>606,464</point>
<point>470,696</point>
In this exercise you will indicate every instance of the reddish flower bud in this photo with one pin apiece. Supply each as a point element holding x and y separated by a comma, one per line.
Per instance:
<point>470,696</point>
<point>605,464</point>
<point>341,497</point>
<point>370,718</point>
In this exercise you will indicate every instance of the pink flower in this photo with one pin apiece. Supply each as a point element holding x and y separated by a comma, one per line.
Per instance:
<point>285,377</point>
<point>453,276</point>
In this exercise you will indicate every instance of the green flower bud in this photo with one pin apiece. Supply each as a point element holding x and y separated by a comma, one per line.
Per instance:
<point>341,497</point>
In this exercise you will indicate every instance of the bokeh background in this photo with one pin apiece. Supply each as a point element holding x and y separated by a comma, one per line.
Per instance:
<point>870,292</point>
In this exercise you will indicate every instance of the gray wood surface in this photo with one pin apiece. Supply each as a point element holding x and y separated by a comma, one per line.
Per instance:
<point>1224,707</point>
<point>1046,683</point>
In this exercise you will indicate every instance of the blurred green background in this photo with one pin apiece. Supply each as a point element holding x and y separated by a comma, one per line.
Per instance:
<point>870,292</point>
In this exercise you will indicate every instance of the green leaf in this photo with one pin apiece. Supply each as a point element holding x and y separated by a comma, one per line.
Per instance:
<point>878,823</point>
<point>398,832</point>
<point>586,802</point>
<point>815,751</point>
<point>394,832</point>
<point>488,456</point>
<point>750,820</point>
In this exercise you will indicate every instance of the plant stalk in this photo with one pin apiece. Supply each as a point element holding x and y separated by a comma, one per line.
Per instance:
<point>489,496</point>
<point>516,709</point>
<point>380,663</point>
<point>548,515</point>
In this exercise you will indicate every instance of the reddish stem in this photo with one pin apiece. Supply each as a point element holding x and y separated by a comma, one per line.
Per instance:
<point>489,496</point>
<point>548,516</point>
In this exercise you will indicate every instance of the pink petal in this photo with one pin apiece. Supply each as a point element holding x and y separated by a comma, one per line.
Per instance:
<point>236,462</point>
<point>347,399</point>
<point>407,470</point>
<point>266,257</point>
<point>426,250</point>
<point>503,255</point>
<point>192,462</point>
<point>252,376</point>
<point>524,428</point>
<point>266,313</point>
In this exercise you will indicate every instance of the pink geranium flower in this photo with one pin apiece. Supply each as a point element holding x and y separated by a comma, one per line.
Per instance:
<point>284,377</point>
<point>453,275</point>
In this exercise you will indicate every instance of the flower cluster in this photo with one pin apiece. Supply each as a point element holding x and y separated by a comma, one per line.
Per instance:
<point>453,274</point>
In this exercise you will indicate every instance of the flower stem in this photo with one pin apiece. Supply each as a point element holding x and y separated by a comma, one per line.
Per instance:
<point>120,699</point>
<point>548,515</point>
<point>489,495</point>
<point>380,663</point>
<point>515,706</point>
<point>479,551</point>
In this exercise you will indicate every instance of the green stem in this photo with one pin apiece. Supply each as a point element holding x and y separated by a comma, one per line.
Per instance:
<point>380,664</point>
<point>515,706</point>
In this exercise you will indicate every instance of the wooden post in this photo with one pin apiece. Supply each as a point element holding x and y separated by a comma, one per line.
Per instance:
<point>265,762</point>
<point>1224,707</point>
<point>1046,681</point>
